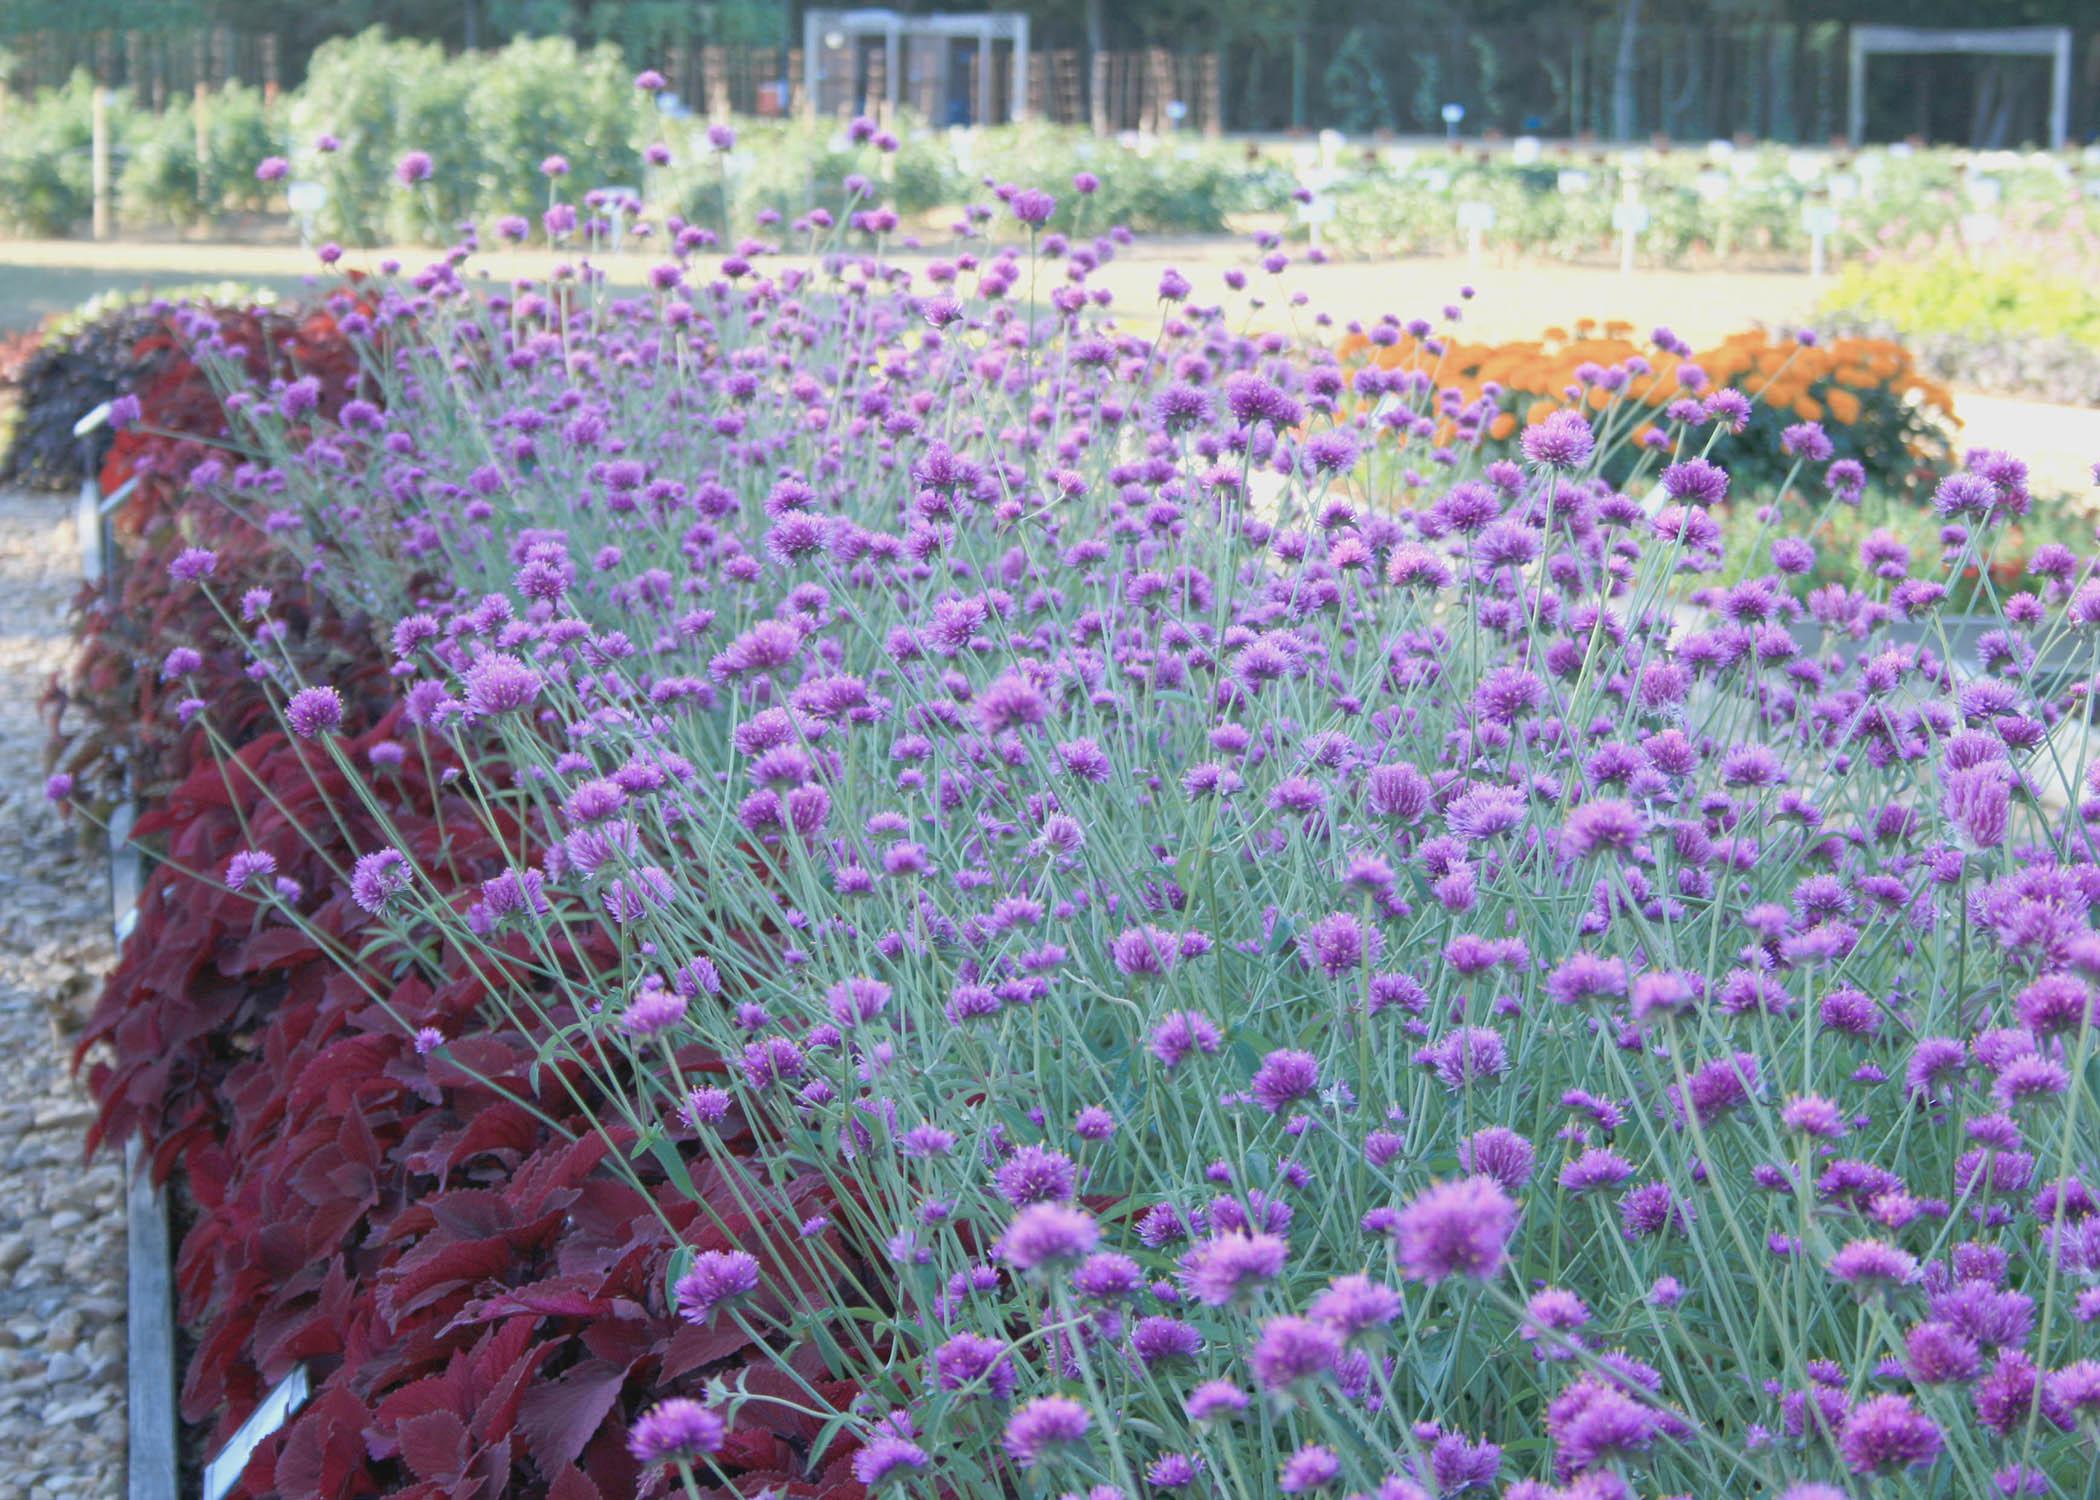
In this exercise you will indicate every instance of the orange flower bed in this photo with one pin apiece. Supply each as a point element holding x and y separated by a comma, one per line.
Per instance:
<point>1867,389</point>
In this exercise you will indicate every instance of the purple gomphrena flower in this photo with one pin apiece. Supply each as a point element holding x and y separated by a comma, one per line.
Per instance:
<point>191,564</point>
<point>1886,1434</point>
<point>1085,184</point>
<point>1215,1401</point>
<point>1356,1305</point>
<point>272,169</point>
<point>1182,1034</point>
<point>1978,802</point>
<point>412,168</point>
<point>1498,1153</point>
<point>377,878</point>
<point>1339,944</point>
<point>314,711</point>
<point>250,866</point>
<point>1813,1490</point>
<point>649,81</point>
<point>1562,441</point>
<point>1605,824</point>
<point>2075,1389</point>
<point>58,787</point>
<point>677,1430</point>
<point>500,684</point>
<point>721,138</point>
<point>1290,1349</point>
<point>1813,1115</point>
<point>1144,952</point>
<point>1043,1426</point>
<point>888,1457</point>
<point>1228,1266</point>
<point>705,1107</point>
<point>1033,207</point>
<point>1847,480</point>
<point>1939,1353</point>
<point>970,1362</point>
<point>1458,1228</point>
<point>1173,1471</point>
<point>1806,439</point>
<point>653,1012</point>
<point>1158,1339</point>
<point>1044,1236</point>
<point>716,1278</point>
<point>1284,1078</point>
<point>1310,1468</point>
<point>1696,482</point>
<point>1037,1174</point>
<point>2055,1004</point>
<point>1873,1263</point>
<point>1597,1169</point>
<point>428,1040</point>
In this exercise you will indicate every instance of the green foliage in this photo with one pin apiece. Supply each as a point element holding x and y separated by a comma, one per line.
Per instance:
<point>2023,325</point>
<point>1160,186</point>
<point>1356,88</point>
<point>488,120</point>
<point>46,165</point>
<point>1959,295</point>
<point>162,181</point>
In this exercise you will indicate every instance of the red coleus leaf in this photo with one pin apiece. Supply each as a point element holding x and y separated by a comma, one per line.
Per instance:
<point>557,1419</point>
<point>435,1445</point>
<point>322,1457</point>
<point>573,1484</point>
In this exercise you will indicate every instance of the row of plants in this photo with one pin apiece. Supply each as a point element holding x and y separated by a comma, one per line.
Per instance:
<point>496,118</point>
<point>56,373</point>
<point>1748,204</point>
<point>2028,328</point>
<point>477,1279</point>
<point>492,119</point>
<point>1300,954</point>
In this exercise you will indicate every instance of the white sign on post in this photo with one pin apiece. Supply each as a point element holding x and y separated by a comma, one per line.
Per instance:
<point>1525,150</point>
<point>1319,209</point>
<point>1475,219</point>
<point>1821,222</point>
<point>1978,229</point>
<point>1573,182</point>
<point>1630,218</point>
<point>306,200</point>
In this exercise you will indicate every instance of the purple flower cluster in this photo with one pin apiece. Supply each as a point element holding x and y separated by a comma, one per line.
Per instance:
<point>1267,920</point>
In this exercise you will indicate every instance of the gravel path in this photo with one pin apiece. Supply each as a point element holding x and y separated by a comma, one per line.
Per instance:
<point>61,1224</point>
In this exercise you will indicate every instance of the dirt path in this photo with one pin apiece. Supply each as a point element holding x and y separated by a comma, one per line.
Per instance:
<point>61,1223</point>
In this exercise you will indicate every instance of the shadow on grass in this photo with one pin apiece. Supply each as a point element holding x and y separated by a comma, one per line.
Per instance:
<point>29,294</point>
